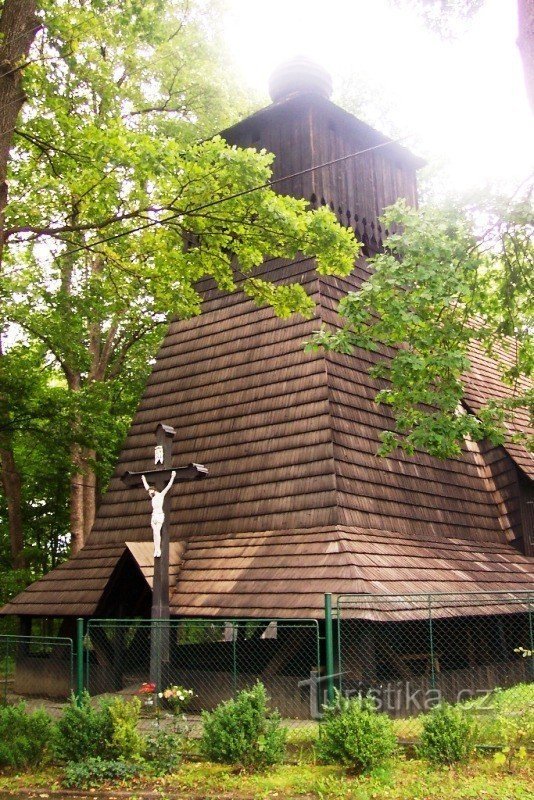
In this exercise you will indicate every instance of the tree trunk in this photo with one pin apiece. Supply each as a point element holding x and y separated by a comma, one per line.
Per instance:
<point>11,482</point>
<point>12,485</point>
<point>83,490</point>
<point>525,43</point>
<point>89,494</point>
<point>77,529</point>
<point>18,27</point>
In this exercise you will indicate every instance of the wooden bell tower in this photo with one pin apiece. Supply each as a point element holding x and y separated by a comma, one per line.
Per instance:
<point>304,129</point>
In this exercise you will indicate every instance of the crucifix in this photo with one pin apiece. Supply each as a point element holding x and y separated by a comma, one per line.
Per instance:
<point>158,482</point>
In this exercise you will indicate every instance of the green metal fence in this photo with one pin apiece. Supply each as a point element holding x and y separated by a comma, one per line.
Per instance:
<point>408,652</point>
<point>214,658</point>
<point>41,666</point>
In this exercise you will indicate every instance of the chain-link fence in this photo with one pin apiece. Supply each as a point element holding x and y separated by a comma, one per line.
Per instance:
<point>214,658</point>
<point>409,652</point>
<point>36,666</point>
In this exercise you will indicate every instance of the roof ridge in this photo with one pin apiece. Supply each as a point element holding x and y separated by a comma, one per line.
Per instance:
<point>337,491</point>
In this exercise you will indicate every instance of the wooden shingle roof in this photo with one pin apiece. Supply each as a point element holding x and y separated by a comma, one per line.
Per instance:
<point>286,573</point>
<point>72,589</point>
<point>290,437</point>
<point>473,495</point>
<point>297,502</point>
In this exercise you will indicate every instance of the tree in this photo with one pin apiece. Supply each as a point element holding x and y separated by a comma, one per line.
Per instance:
<point>18,26</point>
<point>525,42</point>
<point>117,209</point>
<point>439,290</point>
<point>444,16</point>
<point>39,424</point>
<point>442,287</point>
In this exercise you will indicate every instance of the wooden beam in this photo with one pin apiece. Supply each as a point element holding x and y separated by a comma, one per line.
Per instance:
<point>191,472</point>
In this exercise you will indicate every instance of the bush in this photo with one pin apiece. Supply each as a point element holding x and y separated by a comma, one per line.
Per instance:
<point>354,734</point>
<point>448,735</point>
<point>505,719</point>
<point>82,732</point>
<point>108,731</point>
<point>92,772</point>
<point>24,736</point>
<point>517,735</point>
<point>512,723</point>
<point>162,752</point>
<point>126,742</point>
<point>243,731</point>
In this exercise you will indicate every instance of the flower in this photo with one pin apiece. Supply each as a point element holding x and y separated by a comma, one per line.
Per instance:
<point>176,697</point>
<point>147,688</point>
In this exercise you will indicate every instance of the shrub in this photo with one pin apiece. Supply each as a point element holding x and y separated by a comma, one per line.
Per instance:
<point>354,734</point>
<point>162,752</point>
<point>92,772</point>
<point>244,732</point>
<point>448,735</point>
<point>82,732</point>
<point>514,724</point>
<point>126,742</point>
<point>517,735</point>
<point>24,736</point>
<point>108,731</point>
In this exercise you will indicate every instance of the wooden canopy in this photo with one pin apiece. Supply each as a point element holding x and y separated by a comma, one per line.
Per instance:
<point>297,502</point>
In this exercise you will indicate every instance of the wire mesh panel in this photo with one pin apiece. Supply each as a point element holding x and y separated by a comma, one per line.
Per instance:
<point>214,658</point>
<point>36,666</point>
<point>409,652</point>
<point>285,657</point>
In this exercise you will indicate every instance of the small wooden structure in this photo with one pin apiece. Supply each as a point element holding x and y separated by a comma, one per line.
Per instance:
<point>298,503</point>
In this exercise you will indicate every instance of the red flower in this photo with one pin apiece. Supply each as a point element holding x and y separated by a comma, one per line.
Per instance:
<point>147,688</point>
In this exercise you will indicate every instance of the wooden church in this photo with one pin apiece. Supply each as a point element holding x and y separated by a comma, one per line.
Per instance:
<point>297,502</point>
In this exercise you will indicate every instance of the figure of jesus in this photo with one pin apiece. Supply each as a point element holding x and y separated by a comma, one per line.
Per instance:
<point>158,515</point>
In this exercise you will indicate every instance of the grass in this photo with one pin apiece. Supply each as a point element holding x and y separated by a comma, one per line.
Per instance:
<point>404,780</point>
<point>407,780</point>
<point>409,729</point>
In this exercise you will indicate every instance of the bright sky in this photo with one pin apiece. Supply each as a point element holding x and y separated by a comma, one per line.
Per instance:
<point>463,102</point>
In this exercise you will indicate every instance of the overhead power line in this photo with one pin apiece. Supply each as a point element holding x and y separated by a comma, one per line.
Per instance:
<point>234,196</point>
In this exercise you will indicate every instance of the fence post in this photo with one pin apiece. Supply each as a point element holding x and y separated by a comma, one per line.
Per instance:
<point>531,635</point>
<point>235,634</point>
<point>79,659</point>
<point>329,647</point>
<point>339,646</point>
<point>431,637</point>
<point>6,669</point>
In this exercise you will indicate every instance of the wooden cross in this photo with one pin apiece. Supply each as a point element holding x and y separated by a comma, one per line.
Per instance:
<point>159,478</point>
